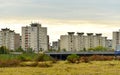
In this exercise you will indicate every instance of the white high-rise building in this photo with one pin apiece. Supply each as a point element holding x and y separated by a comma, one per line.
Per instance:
<point>35,37</point>
<point>89,41</point>
<point>80,42</point>
<point>116,39</point>
<point>100,41</point>
<point>8,39</point>
<point>67,42</point>
<point>56,45</point>
<point>109,44</point>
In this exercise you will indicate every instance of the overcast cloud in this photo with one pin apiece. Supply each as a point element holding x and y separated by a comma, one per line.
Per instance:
<point>97,14</point>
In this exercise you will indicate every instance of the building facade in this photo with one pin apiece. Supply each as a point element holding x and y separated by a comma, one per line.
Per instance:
<point>35,37</point>
<point>109,44</point>
<point>80,42</point>
<point>56,45</point>
<point>116,39</point>
<point>9,39</point>
<point>17,41</point>
<point>67,42</point>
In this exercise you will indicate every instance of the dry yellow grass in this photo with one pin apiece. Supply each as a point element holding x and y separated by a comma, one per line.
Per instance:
<point>63,68</point>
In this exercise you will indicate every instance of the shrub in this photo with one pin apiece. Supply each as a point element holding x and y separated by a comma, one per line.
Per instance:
<point>9,63</point>
<point>73,58</point>
<point>35,64</point>
<point>85,59</point>
<point>22,58</point>
<point>30,64</point>
<point>54,60</point>
<point>8,57</point>
<point>101,58</point>
<point>43,57</point>
<point>27,57</point>
<point>44,64</point>
<point>3,50</point>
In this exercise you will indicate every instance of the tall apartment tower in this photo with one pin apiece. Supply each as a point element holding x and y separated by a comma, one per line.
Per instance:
<point>17,41</point>
<point>99,40</point>
<point>56,45</point>
<point>35,37</point>
<point>67,42</point>
<point>89,41</point>
<point>116,40</point>
<point>79,41</point>
<point>9,39</point>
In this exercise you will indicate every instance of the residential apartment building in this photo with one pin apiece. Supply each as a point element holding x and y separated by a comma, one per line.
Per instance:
<point>109,44</point>
<point>67,42</point>
<point>80,42</point>
<point>17,41</point>
<point>35,37</point>
<point>116,39</point>
<point>89,41</point>
<point>9,39</point>
<point>56,45</point>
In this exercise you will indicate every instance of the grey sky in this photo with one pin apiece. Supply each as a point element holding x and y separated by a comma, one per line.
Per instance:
<point>61,9</point>
<point>104,14</point>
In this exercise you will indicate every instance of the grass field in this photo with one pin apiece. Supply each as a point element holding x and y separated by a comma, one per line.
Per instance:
<point>64,68</point>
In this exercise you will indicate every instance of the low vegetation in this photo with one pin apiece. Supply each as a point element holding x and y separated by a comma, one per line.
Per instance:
<point>73,58</point>
<point>63,68</point>
<point>101,58</point>
<point>43,60</point>
<point>32,60</point>
<point>98,48</point>
<point>9,63</point>
<point>43,57</point>
<point>34,64</point>
<point>3,50</point>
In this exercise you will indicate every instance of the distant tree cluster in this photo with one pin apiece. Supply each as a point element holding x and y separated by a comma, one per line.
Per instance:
<point>73,58</point>
<point>98,48</point>
<point>19,49</point>
<point>3,50</point>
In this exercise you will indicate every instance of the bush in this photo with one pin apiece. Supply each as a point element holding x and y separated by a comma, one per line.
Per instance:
<point>44,64</point>
<point>85,59</point>
<point>30,64</point>
<point>27,57</point>
<point>43,57</point>
<point>101,58</point>
<point>54,60</point>
<point>3,50</point>
<point>8,57</point>
<point>9,63</point>
<point>73,58</point>
<point>22,58</point>
<point>35,64</point>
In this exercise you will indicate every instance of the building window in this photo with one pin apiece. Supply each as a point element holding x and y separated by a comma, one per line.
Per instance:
<point>71,48</point>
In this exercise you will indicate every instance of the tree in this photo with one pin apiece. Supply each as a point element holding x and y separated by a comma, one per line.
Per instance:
<point>43,57</point>
<point>19,49</point>
<point>84,49</point>
<point>73,58</point>
<point>91,49</point>
<point>3,50</point>
<point>30,50</point>
<point>64,50</point>
<point>100,48</point>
